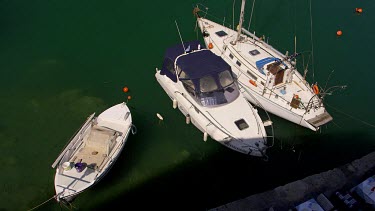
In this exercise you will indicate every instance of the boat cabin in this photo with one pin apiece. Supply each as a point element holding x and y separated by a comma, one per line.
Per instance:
<point>274,66</point>
<point>204,75</point>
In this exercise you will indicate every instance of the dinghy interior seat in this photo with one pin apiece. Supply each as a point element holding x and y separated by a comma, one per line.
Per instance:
<point>101,138</point>
<point>96,146</point>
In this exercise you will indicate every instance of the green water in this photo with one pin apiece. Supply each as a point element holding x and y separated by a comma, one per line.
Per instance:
<point>62,60</point>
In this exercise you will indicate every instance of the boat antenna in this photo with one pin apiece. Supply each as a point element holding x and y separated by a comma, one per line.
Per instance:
<point>295,49</point>
<point>180,36</point>
<point>234,3</point>
<point>239,29</point>
<point>251,16</point>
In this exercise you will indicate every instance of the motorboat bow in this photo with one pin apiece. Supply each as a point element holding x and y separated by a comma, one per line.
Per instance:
<point>202,86</point>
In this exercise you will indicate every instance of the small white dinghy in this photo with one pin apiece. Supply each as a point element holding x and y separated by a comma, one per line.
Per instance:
<point>201,85</point>
<point>92,151</point>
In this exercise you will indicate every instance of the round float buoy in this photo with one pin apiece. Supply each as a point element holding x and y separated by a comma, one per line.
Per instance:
<point>358,10</point>
<point>339,33</point>
<point>129,97</point>
<point>125,89</point>
<point>210,45</point>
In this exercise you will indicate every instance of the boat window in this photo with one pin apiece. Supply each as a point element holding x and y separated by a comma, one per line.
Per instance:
<point>169,65</point>
<point>241,124</point>
<point>219,96</point>
<point>254,52</point>
<point>231,56</point>
<point>225,78</point>
<point>207,84</point>
<point>238,63</point>
<point>183,74</point>
<point>189,86</point>
<point>252,75</point>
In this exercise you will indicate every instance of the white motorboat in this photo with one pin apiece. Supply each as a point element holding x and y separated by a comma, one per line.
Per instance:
<point>92,151</point>
<point>201,85</point>
<point>269,77</point>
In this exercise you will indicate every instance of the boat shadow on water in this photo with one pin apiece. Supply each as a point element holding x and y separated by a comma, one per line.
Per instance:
<point>226,176</point>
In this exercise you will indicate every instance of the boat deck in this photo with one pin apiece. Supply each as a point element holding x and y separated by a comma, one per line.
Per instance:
<point>90,156</point>
<point>96,147</point>
<point>250,58</point>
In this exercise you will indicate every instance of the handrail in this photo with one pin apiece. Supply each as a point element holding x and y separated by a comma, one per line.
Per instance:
<point>220,128</point>
<point>305,107</point>
<point>192,105</point>
<point>109,158</point>
<point>260,105</point>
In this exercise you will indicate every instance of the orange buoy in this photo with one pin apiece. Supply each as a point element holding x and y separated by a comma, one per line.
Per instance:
<point>210,45</point>
<point>253,82</point>
<point>125,89</point>
<point>339,33</point>
<point>316,89</point>
<point>129,97</point>
<point>358,10</point>
<point>296,96</point>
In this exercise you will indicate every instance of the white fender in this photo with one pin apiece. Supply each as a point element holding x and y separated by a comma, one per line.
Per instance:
<point>175,103</point>
<point>205,134</point>
<point>159,116</point>
<point>188,119</point>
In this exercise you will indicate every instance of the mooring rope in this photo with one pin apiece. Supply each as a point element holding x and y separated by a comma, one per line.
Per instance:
<point>43,203</point>
<point>350,116</point>
<point>133,129</point>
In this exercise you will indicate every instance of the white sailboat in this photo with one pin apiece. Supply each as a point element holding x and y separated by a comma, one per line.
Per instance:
<point>201,85</point>
<point>92,151</point>
<point>269,78</point>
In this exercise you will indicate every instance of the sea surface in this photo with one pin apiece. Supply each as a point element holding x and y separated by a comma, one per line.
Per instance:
<point>60,61</point>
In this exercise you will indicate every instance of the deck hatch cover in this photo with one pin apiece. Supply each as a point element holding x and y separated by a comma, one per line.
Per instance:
<point>241,124</point>
<point>221,33</point>
<point>254,52</point>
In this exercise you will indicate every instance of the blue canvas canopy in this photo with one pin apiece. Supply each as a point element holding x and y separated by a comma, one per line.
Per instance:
<point>172,53</point>
<point>195,65</point>
<point>202,63</point>
<point>262,62</point>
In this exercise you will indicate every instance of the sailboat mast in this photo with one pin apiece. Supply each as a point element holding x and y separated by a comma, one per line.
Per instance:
<point>241,21</point>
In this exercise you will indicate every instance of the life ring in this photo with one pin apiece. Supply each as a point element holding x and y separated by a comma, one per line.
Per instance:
<point>316,89</point>
<point>253,82</point>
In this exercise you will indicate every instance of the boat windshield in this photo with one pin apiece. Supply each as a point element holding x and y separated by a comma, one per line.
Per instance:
<point>212,92</point>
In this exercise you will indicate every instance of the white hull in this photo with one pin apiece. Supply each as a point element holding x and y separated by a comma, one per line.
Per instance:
<point>276,109</point>
<point>218,122</point>
<point>310,113</point>
<point>97,145</point>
